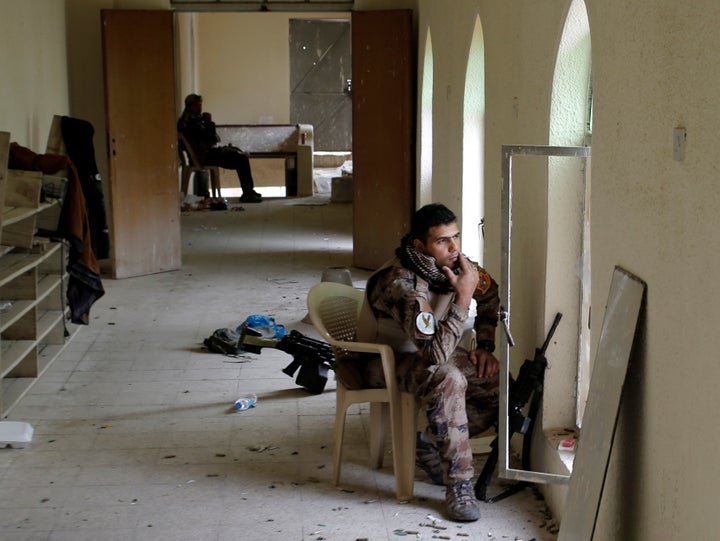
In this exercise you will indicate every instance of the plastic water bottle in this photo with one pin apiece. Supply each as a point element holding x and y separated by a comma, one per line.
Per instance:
<point>245,403</point>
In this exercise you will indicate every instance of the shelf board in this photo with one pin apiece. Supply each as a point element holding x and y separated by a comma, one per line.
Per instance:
<point>46,284</point>
<point>13,353</point>
<point>47,353</point>
<point>47,321</point>
<point>14,264</point>
<point>12,390</point>
<point>18,309</point>
<point>11,215</point>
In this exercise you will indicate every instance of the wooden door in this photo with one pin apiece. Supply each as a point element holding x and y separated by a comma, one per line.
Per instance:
<point>383,93</point>
<point>142,141</point>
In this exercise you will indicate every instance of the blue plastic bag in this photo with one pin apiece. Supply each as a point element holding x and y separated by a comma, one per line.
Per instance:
<point>263,326</point>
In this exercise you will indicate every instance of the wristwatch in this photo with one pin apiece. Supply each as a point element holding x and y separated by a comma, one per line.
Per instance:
<point>487,345</point>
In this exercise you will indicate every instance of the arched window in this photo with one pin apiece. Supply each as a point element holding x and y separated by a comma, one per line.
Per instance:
<point>567,280</point>
<point>473,186</point>
<point>424,192</point>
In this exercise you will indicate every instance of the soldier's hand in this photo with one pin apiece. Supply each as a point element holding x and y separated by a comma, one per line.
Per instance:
<point>485,362</point>
<point>464,283</point>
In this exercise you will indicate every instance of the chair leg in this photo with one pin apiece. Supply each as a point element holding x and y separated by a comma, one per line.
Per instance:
<point>215,182</point>
<point>404,423</point>
<point>379,415</point>
<point>340,409</point>
<point>185,176</point>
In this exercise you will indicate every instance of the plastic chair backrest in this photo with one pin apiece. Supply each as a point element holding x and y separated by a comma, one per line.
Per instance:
<point>334,309</point>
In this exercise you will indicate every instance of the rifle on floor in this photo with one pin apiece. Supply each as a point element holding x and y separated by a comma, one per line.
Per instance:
<point>313,358</point>
<point>529,383</point>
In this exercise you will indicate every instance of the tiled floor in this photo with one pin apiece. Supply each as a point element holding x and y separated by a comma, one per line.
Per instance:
<point>133,439</point>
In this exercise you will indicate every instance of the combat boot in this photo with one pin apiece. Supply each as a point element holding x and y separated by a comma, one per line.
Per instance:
<point>460,502</point>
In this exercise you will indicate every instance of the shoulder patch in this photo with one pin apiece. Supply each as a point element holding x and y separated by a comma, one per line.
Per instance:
<point>425,322</point>
<point>484,282</point>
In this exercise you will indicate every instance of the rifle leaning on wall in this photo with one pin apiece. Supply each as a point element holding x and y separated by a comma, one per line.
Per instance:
<point>529,383</point>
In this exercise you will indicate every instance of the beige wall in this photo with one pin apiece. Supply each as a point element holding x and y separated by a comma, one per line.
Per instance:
<point>655,67</point>
<point>51,61</point>
<point>33,64</point>
<point>243,65</point>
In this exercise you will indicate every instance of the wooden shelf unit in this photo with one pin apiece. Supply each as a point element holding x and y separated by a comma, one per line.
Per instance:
<point>33,281</point>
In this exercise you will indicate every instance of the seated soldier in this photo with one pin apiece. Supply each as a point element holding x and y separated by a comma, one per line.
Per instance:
<point>199,130</point>
<point>419,305</point>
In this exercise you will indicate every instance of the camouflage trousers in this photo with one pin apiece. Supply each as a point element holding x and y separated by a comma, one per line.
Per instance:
<point>459,406</point>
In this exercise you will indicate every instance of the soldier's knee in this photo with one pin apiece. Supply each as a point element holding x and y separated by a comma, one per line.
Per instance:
<point>450,378</point>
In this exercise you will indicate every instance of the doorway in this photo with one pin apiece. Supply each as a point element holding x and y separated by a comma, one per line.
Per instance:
<point>272,68</point>
<point>321,81</point>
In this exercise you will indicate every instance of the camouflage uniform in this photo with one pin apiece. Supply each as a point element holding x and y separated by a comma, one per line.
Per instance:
<point>430,363</point>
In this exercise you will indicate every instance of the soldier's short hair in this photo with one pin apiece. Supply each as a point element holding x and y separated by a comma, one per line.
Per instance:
<point>430,216</point>
<point>192,98</point>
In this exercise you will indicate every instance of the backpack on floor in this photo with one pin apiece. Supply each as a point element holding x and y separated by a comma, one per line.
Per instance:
<point>225,341</point>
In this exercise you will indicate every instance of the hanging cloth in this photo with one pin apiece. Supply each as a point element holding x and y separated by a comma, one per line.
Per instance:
<point>84,284</point>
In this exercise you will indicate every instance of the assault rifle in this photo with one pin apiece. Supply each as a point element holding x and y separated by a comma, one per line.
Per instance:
<point>529,383</point>
<point>312,357</point>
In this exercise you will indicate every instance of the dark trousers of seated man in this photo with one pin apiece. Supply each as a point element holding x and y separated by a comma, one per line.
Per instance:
<point>232,158</point>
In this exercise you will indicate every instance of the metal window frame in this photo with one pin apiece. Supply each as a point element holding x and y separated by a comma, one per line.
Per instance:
<point>508,153</point>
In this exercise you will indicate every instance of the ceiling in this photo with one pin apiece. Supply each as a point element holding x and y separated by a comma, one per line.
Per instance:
<point>262,5</point>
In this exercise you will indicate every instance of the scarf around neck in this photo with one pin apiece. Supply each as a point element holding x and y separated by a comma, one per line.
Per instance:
<point>424,265</point>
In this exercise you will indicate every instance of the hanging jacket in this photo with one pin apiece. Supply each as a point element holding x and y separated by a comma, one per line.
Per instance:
<point>78,139</point>
<point>84,284</point>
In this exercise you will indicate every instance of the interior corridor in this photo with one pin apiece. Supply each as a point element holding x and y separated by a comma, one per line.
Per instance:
<point>133,437</point>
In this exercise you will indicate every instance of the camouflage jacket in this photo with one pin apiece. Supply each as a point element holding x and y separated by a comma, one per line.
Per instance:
<point>399,294</point>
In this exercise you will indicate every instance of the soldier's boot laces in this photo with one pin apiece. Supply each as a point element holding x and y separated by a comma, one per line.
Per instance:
<point>460,502</point>
<point>427,459</point>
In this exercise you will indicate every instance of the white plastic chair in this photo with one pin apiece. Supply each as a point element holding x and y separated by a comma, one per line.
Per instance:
<point>334,310</point>
<point>189,164</point>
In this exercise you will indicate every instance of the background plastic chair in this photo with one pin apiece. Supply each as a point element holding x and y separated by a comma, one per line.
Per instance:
<point>334,310</point>
<point>189,164</point>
